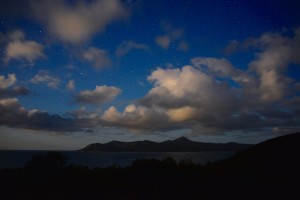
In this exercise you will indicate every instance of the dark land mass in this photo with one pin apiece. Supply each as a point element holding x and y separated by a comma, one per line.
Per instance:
<point>269,170</point>
<point>181,144</point>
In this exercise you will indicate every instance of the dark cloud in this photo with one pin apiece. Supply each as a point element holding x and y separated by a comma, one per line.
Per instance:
<point>100,95</point>
<point>14,9</point>
<point>8,87</point>
<point>14,115</point>
<point>14,92</point>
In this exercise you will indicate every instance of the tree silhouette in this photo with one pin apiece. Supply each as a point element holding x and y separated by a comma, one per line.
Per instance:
<point>50,163</point>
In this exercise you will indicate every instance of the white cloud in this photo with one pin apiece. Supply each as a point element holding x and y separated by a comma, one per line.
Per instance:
<point>97,57</point>
<point>45,77</point>
<point>78,23</point>
<point>9,102</point>
<point>71,85</point>
<point>7,82</point>
<point>127,46</point>
<point>18,48</point>
<point>187,86</point>
<point>137,118</point>
<point>111,115</point>
<point>100,95</point>
<point>181,114</point>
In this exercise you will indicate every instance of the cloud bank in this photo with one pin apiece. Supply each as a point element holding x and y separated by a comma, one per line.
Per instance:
<point>210,95</point>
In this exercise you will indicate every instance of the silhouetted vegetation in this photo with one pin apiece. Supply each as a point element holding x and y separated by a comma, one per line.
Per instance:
<point>269,170</point>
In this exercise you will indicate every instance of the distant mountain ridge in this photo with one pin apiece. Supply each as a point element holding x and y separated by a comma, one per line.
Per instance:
<point>181,144</point>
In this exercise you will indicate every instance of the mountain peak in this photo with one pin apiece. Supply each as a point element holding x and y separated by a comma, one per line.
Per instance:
<point>182,139</point>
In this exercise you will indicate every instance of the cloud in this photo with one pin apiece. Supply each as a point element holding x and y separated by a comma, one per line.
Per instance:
<point>275,52</point>
<point>180,98</point>
<point>231,47</point>
<point>8,87</point>
<point>220,67</point>
<point>272,63</point>
<point>181,114</point>
<point>97,57</point>
<point>210,95</point>
<point>14,92</point>
<point>163,41</point>
<point>214,66</point>
<point>137,118</point>
<point>100,95</point>
<point>214,96</point>
<point>172,35</point>
<point>14,115</point>
<point>7,82</point>
<point>71,85</point>
<point>18,48</point>
<point>79,22</point>
<point>127,46</point>
<point>183,46</point>
<point>187,86</point>
<point>16,35</point>
<point>45,77</point>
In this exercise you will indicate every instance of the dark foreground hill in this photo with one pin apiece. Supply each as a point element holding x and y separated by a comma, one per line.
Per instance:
<point>181,144</point>
<point>269,170</point>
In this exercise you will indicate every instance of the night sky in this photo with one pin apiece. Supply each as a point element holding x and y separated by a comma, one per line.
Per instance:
<point>78,72</point>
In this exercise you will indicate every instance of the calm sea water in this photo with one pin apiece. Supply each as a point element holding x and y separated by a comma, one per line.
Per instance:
<point>15,159</point>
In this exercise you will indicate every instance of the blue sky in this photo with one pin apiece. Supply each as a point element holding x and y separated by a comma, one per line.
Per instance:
<point>77,72</point>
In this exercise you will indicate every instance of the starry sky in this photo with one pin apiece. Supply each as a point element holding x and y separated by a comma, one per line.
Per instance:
<point>78,72</point>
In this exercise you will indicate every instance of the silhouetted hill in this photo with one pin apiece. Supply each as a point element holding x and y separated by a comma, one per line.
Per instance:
<point>181,144</point>
<point>268,170</point>
<point>268,155</point>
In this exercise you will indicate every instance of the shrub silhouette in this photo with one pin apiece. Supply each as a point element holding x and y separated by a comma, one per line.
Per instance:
<point>50,163</point>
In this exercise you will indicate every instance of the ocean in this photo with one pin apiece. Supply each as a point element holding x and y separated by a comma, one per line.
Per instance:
<point>17,158</point>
